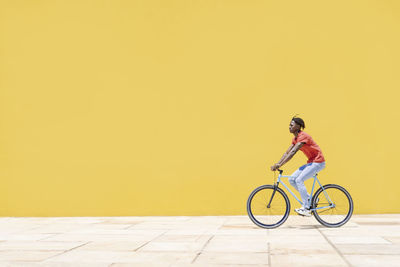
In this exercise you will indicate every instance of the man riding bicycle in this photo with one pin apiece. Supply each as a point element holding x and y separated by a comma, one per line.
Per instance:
<point>316,162</point>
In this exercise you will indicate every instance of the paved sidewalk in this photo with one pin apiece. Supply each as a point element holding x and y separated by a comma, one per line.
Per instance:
<point>367,240</point>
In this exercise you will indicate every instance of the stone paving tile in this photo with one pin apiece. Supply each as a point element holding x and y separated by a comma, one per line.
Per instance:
<point>99,231</point>
<point>182,238</point>
<point>293,239</point>
<point>108,226</point>
<point>307,260</point>
<point>40,220</point>
<point>288,232</point>
<point>363,231</point>
<point>374,260</point>
<point>173,246</point>
<point>393,239</point>
<point>238,226</point>
<point>23,255</point>
<point>295,221</point>
<point>207,258</point>
<point>226,265</point>
<point>237,244</point>
<point>7,228</point>
<point>358,240</point>
<point>141,264</point>
<point>174,226</point>
<point>230,232</point>
<point>53,228</point>
<point>157,225</point>
<point>113,245</point>
<point>38,245</point>
<point>288,248</point>
<point>368,249</point>
<point>26,237</point>
<point>220,265</point>
<point>239,238</point>
<point>130,222</point>
<point>122,257</point>
<point>121,236</point>
<point>51,264</point>
<point>80,256</point>
<point>186,232</point>
<point>376,218</point>
<point>236,219</point>
<point>163,257</point>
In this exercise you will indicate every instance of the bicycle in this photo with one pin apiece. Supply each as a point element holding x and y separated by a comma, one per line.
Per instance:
<point>268,206</point>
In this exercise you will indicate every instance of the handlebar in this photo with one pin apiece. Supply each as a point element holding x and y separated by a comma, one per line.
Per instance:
<point>280,171</point>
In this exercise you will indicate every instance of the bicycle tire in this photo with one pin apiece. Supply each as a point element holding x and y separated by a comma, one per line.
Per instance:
<point>280,219</point>
<point>331,190</point>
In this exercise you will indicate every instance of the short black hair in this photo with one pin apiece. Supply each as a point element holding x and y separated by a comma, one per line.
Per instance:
<point>299,121</point>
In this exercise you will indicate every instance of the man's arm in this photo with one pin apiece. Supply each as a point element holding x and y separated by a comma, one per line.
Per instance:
<point>288,156</point>
<point>284,155</point>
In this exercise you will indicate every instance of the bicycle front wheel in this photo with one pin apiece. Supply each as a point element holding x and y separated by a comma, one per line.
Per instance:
<point>268,207</point>
<point>332,205</point>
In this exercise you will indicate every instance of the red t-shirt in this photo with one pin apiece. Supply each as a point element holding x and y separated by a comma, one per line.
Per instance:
<point>309,148</point>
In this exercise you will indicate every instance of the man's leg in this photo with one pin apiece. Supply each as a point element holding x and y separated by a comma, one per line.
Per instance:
<point>308,172</point>
<point>292,179</point>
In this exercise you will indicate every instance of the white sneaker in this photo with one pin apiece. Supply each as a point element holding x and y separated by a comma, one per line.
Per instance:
<point>303,211</point>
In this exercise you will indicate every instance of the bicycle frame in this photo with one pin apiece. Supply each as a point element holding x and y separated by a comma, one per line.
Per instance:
<point>331,204</point>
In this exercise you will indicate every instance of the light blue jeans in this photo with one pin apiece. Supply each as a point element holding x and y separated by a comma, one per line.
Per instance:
<point>301,175</point>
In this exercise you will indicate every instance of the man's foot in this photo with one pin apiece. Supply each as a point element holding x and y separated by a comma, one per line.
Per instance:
<point>303,212</point>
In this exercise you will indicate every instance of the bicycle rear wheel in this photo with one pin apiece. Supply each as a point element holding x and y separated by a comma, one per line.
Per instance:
<point>332,206</point>
<point>268,216</point>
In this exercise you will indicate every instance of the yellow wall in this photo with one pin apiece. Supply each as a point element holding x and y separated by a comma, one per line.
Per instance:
<point>176,107</point>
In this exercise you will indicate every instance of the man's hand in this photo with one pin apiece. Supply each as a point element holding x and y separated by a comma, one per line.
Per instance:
<point>275,167</point>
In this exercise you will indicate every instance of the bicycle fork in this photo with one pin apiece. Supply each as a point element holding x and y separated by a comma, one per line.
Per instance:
<point>273,194</point>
